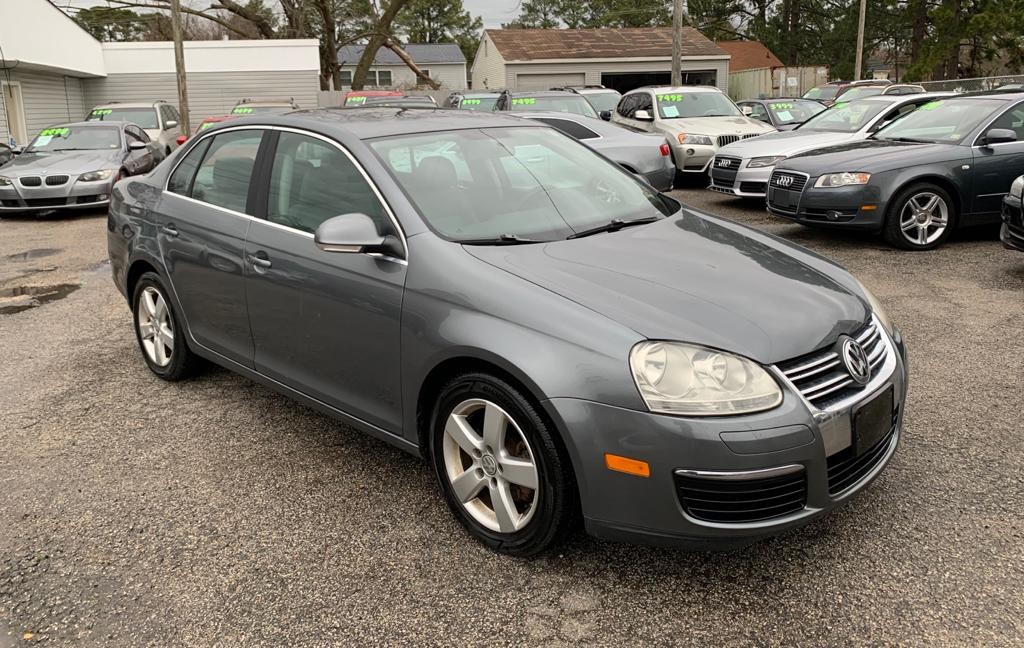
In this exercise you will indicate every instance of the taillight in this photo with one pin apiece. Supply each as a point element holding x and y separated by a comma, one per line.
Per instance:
<point>665,150</point>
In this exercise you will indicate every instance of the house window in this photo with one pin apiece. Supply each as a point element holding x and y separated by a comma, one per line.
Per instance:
<point>383,78</point>
<point>426,71</point>
<point>346,77</point>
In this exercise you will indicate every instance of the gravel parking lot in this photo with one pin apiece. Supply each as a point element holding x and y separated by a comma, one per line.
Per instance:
<point>215,512</point>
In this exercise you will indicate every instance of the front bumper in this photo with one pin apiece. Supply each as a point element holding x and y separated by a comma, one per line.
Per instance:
<point>70,195</point>
<point>1012,232</point>
<point>737,179</point>
<point>811,445</point>
<point>857,207</point>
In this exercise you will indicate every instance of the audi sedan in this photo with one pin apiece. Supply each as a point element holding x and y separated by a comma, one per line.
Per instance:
<point>554,336</point>
<point>74,166</point>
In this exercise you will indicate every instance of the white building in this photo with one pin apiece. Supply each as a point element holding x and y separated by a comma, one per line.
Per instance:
<point>443,62</point>
<point>534,59</point>
<point>57,73</point>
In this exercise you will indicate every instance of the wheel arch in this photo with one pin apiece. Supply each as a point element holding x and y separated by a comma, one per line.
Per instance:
<point>938,180</point>
<point>138,268</point>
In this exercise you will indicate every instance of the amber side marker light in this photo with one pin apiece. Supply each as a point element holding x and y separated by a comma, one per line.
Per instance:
<point>868,207</point>
<point>627,465</point>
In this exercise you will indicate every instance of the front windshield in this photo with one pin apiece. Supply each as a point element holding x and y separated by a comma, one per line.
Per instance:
<point>860,92</point>
<point>524,183</point>
<point>76,138</point>
<point>794,111</point>
<point>825,92</point>
<point>602,101</point>
<point>478,103</point>
<point>948,120</point>
<point>143,117</point>
<point>845,117</point>
<point>569,103</point>
<point>680,104</point>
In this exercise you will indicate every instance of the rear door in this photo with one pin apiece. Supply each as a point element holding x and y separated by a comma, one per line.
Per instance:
<point>996,165</point>
<point>204,216</point>
<point>324,323</point>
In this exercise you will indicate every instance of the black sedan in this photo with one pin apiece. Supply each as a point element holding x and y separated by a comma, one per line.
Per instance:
<point>1012,233</point>
<point>944,166</point>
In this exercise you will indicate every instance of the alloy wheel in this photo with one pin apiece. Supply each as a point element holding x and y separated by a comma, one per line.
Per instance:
<point>155,326</point>
<point>924,218</point>
<point>490,466</point>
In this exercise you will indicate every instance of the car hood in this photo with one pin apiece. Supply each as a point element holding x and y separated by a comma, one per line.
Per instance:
<point>872,156</point>
<point>696,279</point>
<point>785,143</point>
<point>68,162</point>
<point>714,126</point>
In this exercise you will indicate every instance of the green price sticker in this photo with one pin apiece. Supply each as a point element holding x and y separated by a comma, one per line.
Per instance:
<point>524,101</point>
<point>931,105</point>
<point>241,111</point>
<point>670,98</point>
<point>100,113</point>
<point>470,102</point>
<point>55,132</point>
<point>781,106</point>
<point>204,126</point>
<point>351,101</point>
<point>841,104</point>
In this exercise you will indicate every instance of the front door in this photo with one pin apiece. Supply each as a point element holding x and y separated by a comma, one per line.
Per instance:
<point>324,323</point>
<point>996,165</point>
<point>203,221</point>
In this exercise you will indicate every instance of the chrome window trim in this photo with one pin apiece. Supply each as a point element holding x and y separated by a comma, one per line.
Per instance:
<point>289,129</point>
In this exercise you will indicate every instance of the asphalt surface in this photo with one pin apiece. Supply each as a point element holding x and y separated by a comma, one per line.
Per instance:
<point>217,513</point>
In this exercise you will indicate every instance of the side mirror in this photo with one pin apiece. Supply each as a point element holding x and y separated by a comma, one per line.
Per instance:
<point>170,124</point>
<point>606,115</point>
<point>747,110</point>
<point>642,115</point>
<point>999,136</point>
<point>137,146</point>
<point>17,150</point>
<point>353,234</point>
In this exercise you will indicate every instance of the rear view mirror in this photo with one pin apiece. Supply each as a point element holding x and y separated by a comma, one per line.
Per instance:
<point>354,234</point>
<point>999,136</point>
<point>642,115</point>
<point>171,124</point>
<point>136,146</point>
<point>606,115</point>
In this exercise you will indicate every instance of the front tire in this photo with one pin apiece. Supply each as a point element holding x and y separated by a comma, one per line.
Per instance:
<point>502,472</point>
<point>921,217</point>
<point>159,332</point>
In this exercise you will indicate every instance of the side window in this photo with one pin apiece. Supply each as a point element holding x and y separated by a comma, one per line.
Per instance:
<point>313,180</point>
<point>895,114</point>
<point>181,179</point>
<point>137,134</point>
<point>644,103</point>
<point>757,111</point>
<point>1012,119</point>
<point>165,116</point>
<point>573,129</point>
<point>223,177</point>
<point>627,106</point>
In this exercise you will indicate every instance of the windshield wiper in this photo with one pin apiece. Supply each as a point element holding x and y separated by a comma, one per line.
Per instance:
<point>71,149</point>
<point>504,239</point>
<point>912,140</point>
<point>613,225</point>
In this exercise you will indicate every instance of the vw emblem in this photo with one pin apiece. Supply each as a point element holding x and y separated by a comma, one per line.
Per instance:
<point>725,163</point>
<point>783,180</point>
<point>856,361</point>
<point>489,464</point>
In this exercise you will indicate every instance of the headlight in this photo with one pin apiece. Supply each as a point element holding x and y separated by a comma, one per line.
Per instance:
<point>761,162</point>
<point>692,138</point>
<point>1016,188</point>
<point>877,309</point>
<point>5,182</point>
<point>677,378</point>
<point>95,176</point>
<point>843,179</point>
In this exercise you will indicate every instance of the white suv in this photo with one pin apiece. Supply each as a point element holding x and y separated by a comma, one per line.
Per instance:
<point>158,118</point>
<point>696,120</point>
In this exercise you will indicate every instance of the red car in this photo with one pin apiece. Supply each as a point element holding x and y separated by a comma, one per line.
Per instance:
<point>358,97</point>
<point>206,123</point>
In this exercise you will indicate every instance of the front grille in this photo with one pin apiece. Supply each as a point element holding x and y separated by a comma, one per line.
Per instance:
<point>797,184</point>
<point>725,176</point>
<point>31,181</point>
<point>56,180</point>
<point>10,203</point>
<point>729,139</point>
<point>821,376</point>
<point>745,500</point>
<point>85,200</point>
<point>753,187</point>
<point>46,202</point>
<point>845,469</point>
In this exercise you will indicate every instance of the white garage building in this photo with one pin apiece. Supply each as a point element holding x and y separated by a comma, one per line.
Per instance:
<point>534,59</point>
<point>57,73</point>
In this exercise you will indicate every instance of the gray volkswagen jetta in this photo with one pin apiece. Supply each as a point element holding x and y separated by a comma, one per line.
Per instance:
<point>554,336</point>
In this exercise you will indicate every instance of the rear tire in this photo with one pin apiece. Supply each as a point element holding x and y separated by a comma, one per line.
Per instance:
<point>159,332</point>
<point>921,217</point>
<point>489,445</point>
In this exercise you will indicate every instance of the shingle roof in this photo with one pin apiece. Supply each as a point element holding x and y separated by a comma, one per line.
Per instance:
<point>421,53</point>
<point>749,55</point>
<point>532,44</point>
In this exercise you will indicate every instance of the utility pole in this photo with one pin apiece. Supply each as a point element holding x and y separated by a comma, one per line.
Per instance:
<point>860,40</point>
<point>179,66</point>
<point>678,10</point>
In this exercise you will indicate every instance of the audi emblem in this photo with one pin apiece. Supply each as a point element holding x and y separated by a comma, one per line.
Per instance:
<point>855,359</point>
<point>783,181</point>
<point>725,163</point>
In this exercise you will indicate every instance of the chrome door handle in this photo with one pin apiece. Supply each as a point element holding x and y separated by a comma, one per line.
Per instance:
<point>259,262</point>
<point>169,230</point>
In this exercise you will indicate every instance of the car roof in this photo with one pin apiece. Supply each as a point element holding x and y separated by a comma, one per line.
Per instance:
<point>128,104</point>
<point>688,88</point>
<point>116,123</point>
<point>371,122</point>
<point>541,93</point>
<point>478,95</point>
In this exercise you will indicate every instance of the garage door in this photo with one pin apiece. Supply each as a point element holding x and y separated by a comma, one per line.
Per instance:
<point>545,81</point>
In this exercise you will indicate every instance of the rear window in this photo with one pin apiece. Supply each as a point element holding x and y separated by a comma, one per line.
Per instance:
<point>144,117</point>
